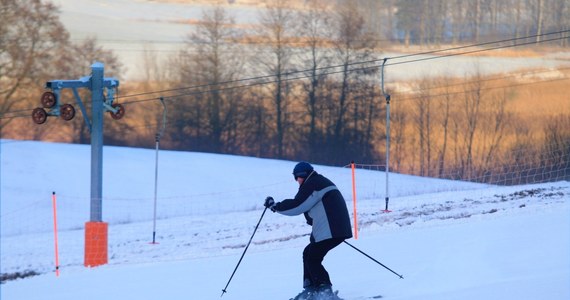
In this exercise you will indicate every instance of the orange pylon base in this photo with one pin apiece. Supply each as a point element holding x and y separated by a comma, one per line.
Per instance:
<point>96,243</point>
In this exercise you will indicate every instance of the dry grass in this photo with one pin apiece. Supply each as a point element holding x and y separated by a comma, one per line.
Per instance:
<point>532,104</point>
<point>539,102</point>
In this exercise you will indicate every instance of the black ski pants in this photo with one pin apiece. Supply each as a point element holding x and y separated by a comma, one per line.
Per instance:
<point>314,274</point>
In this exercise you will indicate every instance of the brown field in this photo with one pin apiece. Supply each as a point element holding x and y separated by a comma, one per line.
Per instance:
<point>533,108</point>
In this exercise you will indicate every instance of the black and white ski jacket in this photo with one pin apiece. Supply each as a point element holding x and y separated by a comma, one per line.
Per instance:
<point>324,208</point>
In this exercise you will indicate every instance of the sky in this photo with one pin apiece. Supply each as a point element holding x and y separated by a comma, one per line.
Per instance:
<point>449,240</point>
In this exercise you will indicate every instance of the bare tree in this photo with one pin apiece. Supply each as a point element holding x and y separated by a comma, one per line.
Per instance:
<point>153,68</point>
<point>457,9</point>
<point>423,124</point>
<point>554,17</point>
<point>31,46</point>
<point>445,110</point>
<point>371,11</point>
<point>314,26</point>
<point>399,119</point>
<point>210,62</point>
<point>474,17</point>
<point>556,147</point>
<point>517,17</point>
<point>563,22</point>
<point>80,57</point>
<point>186,113</point>
<point>34,49</point>
<point>275,26</point>
<point>255,124</point>
<point>496,128</point>
<point>389,8</point>
<point>407,19</point>
<point>539,18</point>
<point>435,26</point>
<point>472,102</point>
<point>352,44</point>
<point>155,75</point>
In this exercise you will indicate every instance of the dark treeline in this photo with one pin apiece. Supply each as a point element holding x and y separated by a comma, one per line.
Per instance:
<point>331,115</point>
<point>436,22</point>
<point>295,106</point>
<point>327,116</point>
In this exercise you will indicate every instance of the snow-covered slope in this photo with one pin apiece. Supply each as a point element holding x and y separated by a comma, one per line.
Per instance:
<point>450,240</point>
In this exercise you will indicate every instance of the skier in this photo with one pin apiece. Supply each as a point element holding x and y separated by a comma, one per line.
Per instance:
<point>325,210</point>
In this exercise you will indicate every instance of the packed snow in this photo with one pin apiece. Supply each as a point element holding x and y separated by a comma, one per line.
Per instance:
<point>449,239</point>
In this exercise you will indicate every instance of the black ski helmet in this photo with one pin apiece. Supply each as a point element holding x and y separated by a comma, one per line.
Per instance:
<point>302,169</point>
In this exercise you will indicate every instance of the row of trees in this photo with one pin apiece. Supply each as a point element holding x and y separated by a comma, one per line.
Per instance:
<point>436,22</point>
<point>35,47</point>
<point>324,116</point>
<point>303,108</point>
<point>331,115</point>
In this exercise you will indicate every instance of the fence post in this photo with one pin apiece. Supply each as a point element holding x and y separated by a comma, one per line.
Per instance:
<point>55,234</point>
<point>354,202</point>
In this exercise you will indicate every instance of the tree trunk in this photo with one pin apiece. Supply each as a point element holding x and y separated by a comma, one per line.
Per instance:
<point>539,21</point>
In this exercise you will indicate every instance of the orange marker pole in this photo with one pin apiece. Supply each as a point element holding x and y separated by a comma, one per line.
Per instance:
<point>55,234</point>
<point>354,202</point>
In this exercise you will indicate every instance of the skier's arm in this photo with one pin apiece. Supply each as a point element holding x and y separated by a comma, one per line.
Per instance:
<point>303,202</point>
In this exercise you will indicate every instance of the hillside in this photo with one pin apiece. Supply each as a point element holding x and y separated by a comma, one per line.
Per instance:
<point>450,240</point>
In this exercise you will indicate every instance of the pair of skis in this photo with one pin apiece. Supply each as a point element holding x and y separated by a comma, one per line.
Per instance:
<point>361,298</point>
<point>356,298</point>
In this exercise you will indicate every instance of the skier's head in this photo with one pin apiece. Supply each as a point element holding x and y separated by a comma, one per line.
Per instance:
<point>303,170</point>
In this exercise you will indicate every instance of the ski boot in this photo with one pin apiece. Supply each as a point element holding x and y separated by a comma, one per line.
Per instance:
<point>325,292</point>
<point>306,294</point>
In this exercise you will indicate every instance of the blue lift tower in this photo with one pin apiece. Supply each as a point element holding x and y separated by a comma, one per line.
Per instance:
<point>103,92</point>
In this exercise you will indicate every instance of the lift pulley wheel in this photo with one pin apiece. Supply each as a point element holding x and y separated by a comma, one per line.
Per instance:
<point>120,111</point>
<point>48,100</point>
<point>39,115</point>
<point>67,112</point>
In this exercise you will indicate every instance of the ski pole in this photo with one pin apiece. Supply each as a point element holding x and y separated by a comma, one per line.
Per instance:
<point>401,277</point>
<point>251,238</point>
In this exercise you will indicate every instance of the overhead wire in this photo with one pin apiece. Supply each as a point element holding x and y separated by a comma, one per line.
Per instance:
<point>410,98</point>
<point>486,43</point>
<point>286,74</point>
<point>512,75</point>
<point>257,79</point>
<point>475,51</point>
<point>275,80</point>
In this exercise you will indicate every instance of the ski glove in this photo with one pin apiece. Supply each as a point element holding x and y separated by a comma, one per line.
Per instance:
<point>270,203</point>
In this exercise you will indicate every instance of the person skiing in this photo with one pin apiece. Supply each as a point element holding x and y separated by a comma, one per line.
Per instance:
<point>325,210</point>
